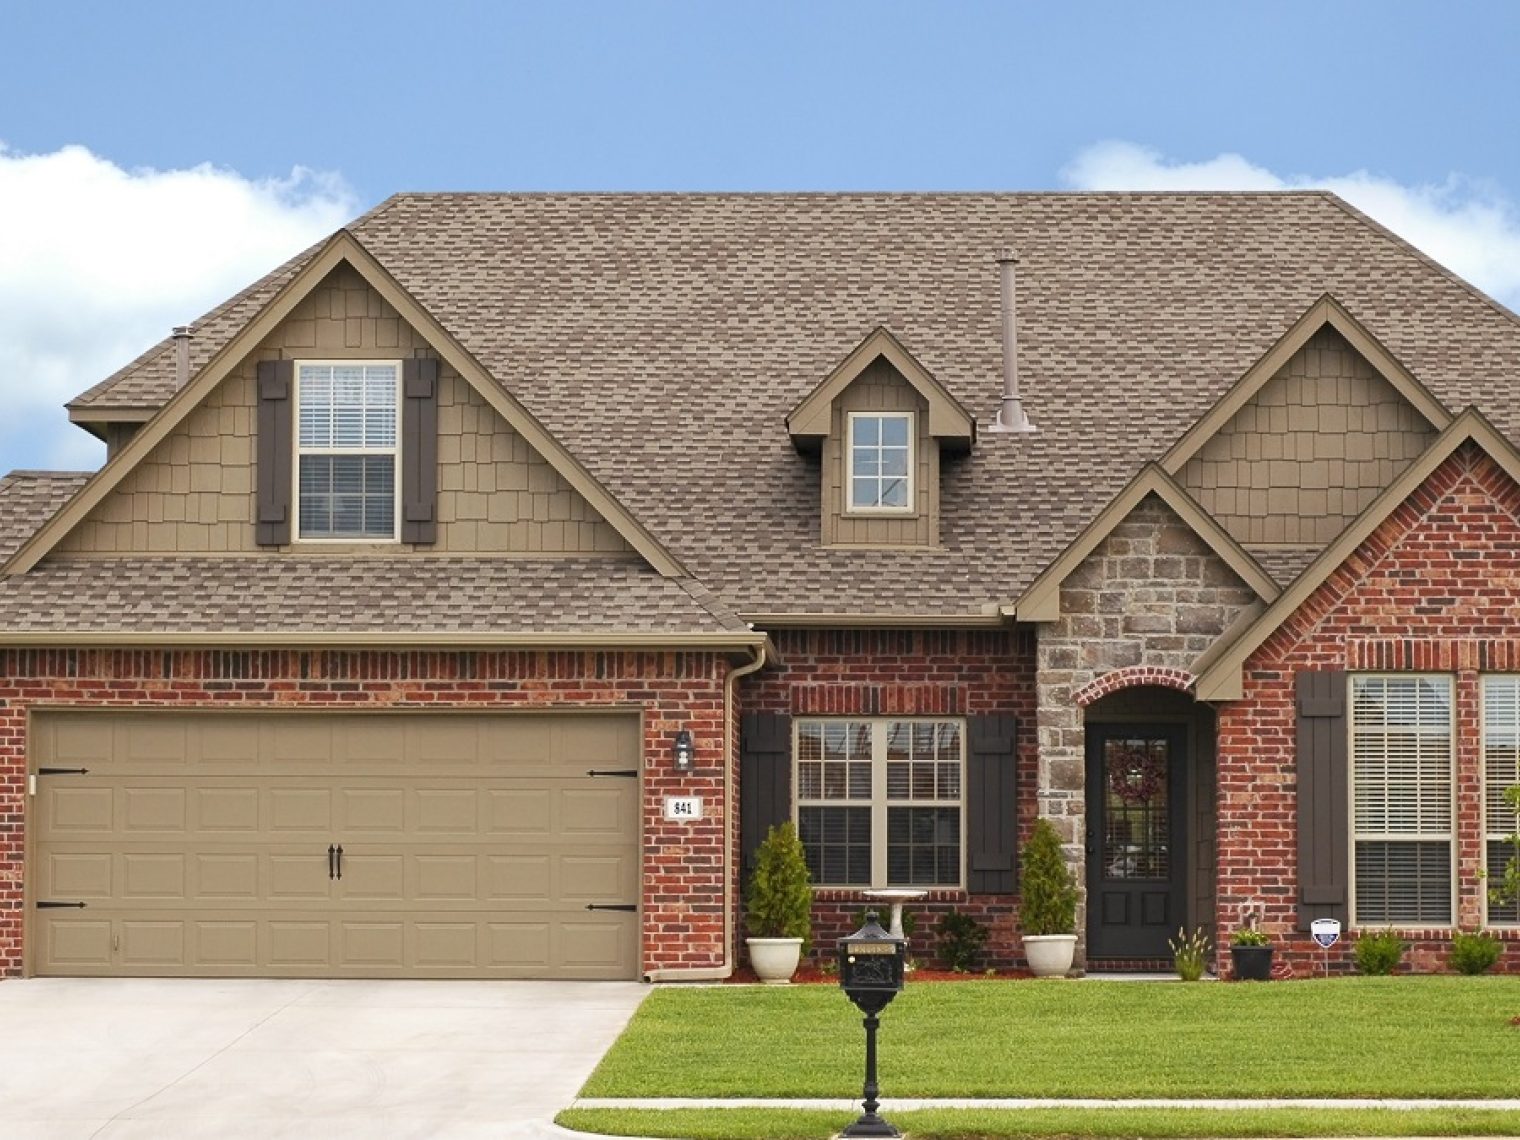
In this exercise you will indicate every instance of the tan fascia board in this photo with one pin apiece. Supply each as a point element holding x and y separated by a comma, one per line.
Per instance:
<point>105,414</point>
<point>1326,311</point>
<point>784,620</point>
<point>948,419</point>
<point>1220,679</point>
<point>341,247</point>
<point>727,641</point>
<point>1042,601</point>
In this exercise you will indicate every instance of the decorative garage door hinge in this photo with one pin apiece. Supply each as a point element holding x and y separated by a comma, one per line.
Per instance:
<point>53,904</point>
<point>626,773</point>
<point>31,781</point>
<point>631,908</point>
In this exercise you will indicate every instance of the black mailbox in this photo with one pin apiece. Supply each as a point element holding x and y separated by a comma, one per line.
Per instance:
<point>872,965</point>
<point>871,969</point>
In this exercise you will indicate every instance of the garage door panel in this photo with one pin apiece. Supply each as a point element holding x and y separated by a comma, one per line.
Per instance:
<point>456,862</point>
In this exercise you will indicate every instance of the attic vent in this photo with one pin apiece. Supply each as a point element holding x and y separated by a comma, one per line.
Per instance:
<point>1010,417</point>
<point>181,337</point>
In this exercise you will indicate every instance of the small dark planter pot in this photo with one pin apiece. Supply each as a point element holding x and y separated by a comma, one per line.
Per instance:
<point>1252,963</point>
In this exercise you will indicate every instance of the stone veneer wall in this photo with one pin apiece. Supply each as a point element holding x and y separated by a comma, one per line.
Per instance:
<point>1152,595</point>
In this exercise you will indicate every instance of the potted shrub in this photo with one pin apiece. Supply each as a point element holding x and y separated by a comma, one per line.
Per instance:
<point>1047,903</point>
<point>778,906</point>
<point>1251,955</point>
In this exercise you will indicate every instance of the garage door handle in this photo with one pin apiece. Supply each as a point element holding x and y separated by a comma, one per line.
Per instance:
<point>332,861</point>
<point>340,860</point>
<point>50,904</point>
<point>631,908</point>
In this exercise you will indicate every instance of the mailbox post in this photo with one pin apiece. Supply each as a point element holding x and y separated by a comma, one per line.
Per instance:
<point>871,970</point>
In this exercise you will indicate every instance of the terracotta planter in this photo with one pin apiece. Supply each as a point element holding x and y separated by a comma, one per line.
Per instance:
<point>1251,963</point>
<point>774,960</point>
<point>1050,955</point>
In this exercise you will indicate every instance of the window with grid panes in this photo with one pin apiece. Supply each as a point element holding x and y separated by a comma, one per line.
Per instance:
<point>1401,792</point>
<point>881,462</point>
<point>1501,770</point>
<point>879,801</point>
<point>346,449</point>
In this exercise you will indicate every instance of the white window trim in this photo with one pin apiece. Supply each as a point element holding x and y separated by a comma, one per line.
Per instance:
<point>1488,836</point>
<point>849,465</point>
<point>1450,836</point>
<point>879,802</point>
<point>297,451</point>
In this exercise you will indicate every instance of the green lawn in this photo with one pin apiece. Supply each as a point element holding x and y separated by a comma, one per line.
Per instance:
<point>1352,1037</point>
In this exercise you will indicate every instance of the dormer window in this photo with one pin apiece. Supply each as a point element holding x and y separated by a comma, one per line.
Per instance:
<point>881,462</point>
<point>346,449</point>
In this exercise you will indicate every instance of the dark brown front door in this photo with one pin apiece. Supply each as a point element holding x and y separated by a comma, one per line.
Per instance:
<point>1135,841</point>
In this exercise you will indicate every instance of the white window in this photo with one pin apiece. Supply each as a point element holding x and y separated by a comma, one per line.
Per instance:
<point>346,450</point>
<point>1401,791</point>
<point>1501,770</point>
<point>881,462</point>
<point>879,801</point>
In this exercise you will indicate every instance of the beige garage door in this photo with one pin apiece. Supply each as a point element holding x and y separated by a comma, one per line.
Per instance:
<point>309,845</point>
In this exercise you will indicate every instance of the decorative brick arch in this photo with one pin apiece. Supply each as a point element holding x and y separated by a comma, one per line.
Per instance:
<point>1131,677</point>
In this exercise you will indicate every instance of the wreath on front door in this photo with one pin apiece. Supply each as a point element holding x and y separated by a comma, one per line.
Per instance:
<point>1135,774</point>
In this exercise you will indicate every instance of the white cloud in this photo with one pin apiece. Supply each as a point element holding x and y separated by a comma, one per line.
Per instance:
<point>1468,227</point>
<point>97,263</point>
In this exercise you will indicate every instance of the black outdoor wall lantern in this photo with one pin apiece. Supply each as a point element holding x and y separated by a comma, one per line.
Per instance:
<point>872,965</point>
<point>683,751</point>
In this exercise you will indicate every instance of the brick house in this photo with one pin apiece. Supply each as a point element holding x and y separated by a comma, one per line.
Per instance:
<point>467,596</point>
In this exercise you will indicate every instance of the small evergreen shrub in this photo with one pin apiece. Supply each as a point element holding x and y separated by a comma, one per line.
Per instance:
<point>779,901</point>
<point>1190,953</point>
<point>960,938</point>
<point>1474,952</point>
<point>1047,894</point>
<point>1378,952</point>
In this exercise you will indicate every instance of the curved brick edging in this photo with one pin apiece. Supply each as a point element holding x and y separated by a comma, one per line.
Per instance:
<point>1130,677</point>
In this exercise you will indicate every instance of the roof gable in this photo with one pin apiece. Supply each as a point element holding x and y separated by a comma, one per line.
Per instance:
<point>1219,674</point>
<point>340,249</point>
<point>949,421</point>
<point>1042,601</point>
<point>1327,311</point>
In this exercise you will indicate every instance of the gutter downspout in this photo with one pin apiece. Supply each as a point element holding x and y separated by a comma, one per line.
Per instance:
<point>719,973</point>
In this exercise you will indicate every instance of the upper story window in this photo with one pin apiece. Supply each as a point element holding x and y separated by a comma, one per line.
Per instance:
<point>346,450</point>
<point>1402,794</point>
<point>879,801</point>
<point>1501,770</point>
<point>880,452</point>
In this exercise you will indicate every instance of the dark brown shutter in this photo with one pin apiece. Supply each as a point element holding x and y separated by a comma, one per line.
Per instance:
<point>272,453</point>
<point>992,815</point>
<point>765,778</point>
<point>419,450</point>
<point>1323,812</point>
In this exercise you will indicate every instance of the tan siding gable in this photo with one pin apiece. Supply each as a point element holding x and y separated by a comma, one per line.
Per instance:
<point>880,387</point>
<point>1309,451</point>
<point>194,492</point>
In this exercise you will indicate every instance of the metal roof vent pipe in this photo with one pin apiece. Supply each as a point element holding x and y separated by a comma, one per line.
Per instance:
<point>1010,415</point>
<point>181,336</point>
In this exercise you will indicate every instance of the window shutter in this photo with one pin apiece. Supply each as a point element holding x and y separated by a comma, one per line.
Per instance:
<point>765,778</point>
<point>419,450</point>
<point>1323,811</point>
<point>992,815</point>
<point>273,457</point>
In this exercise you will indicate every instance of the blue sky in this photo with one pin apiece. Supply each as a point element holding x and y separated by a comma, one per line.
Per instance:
<point>157,156</point>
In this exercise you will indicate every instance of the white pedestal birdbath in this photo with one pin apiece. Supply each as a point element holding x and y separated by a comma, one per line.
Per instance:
<point>896,896</point>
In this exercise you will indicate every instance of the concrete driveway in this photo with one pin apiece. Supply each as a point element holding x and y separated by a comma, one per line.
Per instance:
<point>269,1059</point>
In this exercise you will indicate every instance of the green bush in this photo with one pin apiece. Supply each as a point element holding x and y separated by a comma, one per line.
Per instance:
<point>1190,953</point>
<point>1378,952</point>
<point>1474,952</point>
<point>779,901</point>
<point>1047,894</point>
<point>884,917</point>
<point>1249,936</point>
<point>960,939</point>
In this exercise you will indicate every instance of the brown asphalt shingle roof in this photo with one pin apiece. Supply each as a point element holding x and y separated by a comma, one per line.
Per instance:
<point>28,499</point>
<point>301,595</point>
<point>663,338</point>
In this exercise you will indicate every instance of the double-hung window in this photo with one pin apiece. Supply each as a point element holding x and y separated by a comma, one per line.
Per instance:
<point>1402,799</point>
<point>879,801</point>
<point>881,462</point>
<point>346,450</point>
<point>1501,770</point>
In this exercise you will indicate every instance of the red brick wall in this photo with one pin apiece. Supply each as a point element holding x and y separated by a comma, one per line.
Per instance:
<point>683,862</point>
<point>1435,588</point>
<point>909,673</point>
